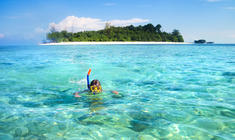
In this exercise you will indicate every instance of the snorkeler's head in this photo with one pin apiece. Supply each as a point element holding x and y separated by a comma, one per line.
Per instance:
<point>95,86</point>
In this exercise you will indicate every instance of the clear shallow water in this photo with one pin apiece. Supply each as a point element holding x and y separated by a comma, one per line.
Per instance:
<point>166,92</point>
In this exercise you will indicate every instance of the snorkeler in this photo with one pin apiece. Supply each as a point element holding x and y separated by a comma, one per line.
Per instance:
<point>94,87</point>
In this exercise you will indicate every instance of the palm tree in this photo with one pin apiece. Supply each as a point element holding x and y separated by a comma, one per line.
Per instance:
<point>158,28</point>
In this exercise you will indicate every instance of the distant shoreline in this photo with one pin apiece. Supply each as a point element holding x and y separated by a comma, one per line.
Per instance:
<point>110,43</point>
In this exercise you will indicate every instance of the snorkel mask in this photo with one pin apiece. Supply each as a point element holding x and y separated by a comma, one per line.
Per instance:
<point>95,89</point>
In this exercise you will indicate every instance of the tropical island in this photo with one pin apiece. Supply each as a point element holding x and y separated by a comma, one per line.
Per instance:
<point>146,33</point>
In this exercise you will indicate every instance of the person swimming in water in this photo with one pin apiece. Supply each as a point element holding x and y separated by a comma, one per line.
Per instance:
<point>94,87</point>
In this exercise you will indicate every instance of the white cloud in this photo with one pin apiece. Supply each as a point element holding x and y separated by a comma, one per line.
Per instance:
<point>76,24</point>
<point>127,22</point>
<point>2,35</point>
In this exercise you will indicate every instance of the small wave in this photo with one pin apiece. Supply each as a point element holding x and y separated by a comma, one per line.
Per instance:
<point>80,82</point>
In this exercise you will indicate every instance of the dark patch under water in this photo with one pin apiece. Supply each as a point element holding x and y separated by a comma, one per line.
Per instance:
<point>78,56</point>
<point>227,113</point>
<point>39,67</point>
<point>6,64</point>
<point>141,120</point>
<point>232,74</point>
<point>146,83</point>
<point>139,126</point>
<point>123,81</point>
<point>174,88</point>
<point>31,104</point>
<point>231,62</point>
<point>136,70</point>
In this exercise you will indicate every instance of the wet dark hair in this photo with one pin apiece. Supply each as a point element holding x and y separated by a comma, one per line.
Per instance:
<point>95,82</point>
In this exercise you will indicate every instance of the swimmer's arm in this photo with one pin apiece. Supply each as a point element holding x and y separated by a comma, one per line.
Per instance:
<point>115,92</point>
<point>76,94</point>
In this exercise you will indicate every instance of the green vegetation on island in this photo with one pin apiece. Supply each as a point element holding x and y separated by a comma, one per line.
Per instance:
<point>129,33</point>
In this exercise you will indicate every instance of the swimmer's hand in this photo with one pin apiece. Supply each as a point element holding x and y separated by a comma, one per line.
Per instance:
<point>115,92</point>
<point>76,95</point>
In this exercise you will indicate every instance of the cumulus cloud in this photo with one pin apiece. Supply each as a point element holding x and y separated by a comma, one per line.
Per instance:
<point>2,35</point>
<point>77,24</point>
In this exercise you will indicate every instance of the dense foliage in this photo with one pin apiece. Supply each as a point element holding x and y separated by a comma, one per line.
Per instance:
<point>129,33</point>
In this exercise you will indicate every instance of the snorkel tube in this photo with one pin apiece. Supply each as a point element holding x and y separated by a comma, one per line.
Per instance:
<point>87,78</point>
<point>88,83</point>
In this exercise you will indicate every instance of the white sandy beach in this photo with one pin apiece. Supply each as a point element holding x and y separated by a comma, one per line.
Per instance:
<point>107,43</point>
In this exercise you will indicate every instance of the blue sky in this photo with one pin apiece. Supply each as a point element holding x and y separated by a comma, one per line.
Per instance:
<point>26,22</point>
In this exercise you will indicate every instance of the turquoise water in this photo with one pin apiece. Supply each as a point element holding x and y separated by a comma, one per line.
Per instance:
<point>166,92</point>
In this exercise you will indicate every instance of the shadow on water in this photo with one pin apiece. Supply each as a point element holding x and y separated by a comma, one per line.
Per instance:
<point>95,104</point>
